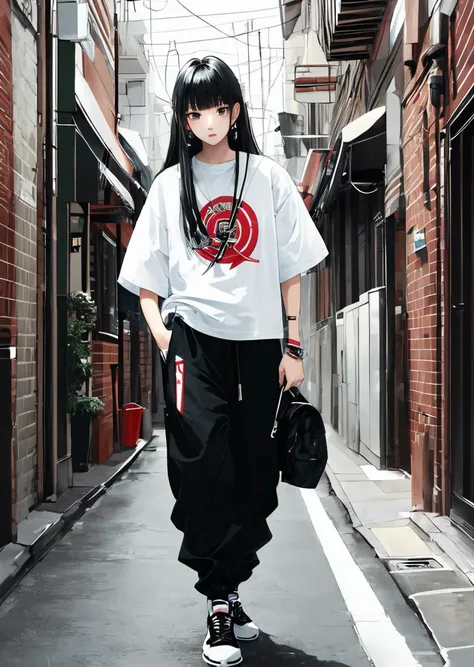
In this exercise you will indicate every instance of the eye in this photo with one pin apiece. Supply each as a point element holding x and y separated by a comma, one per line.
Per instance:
<point>194,115</point>
<point>222,111</point>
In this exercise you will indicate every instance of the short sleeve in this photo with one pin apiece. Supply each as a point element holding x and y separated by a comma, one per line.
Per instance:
<point>146,264</point>
<point>300,245</point>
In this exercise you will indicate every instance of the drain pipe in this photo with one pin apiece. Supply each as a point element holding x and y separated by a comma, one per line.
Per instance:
<point>49,413</point>
<point>437,84</point>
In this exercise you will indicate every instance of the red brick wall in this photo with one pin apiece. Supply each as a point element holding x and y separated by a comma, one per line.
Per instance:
<point>422,293</point>
<point>462,51</point>
<point>146,367</point>
<point>127,350</point>
<point>8,324</point>
<point>422,297</point>
<point>103,355</point>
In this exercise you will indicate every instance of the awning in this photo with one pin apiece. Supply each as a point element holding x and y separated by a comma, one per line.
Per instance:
<point>93,162</point>
<point>120,189</point>
<point>136,142</point>
<point>133,145</point>
<point>365,127</point>
<point>308,181</point>
<point>92,111</point>
<point>353,154</point>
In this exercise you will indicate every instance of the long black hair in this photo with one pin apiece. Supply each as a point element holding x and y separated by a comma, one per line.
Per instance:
<point>204,84</point>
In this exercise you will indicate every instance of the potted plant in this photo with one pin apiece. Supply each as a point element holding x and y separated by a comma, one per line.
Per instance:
<point>83,409</point>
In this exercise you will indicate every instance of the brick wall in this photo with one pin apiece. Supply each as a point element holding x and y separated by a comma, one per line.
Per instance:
<point>462,53</point>
<point>7,220</point>
<point>127,351</point>
<point>25,132</point>
<point>422,296</point>
<point>427,432</point>
<point>103,355</point>
<point>146,367</point>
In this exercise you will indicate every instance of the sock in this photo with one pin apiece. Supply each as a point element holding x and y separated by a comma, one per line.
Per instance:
<point>234,597</point>
<point>218,607</point>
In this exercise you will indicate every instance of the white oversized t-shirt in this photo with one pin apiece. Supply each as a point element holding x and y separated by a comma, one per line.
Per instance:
<point>239,298</point>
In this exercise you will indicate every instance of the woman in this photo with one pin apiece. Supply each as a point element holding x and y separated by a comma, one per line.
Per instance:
<point>223,238</point>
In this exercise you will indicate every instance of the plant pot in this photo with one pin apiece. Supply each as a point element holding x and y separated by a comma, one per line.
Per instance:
<point>81,439</point>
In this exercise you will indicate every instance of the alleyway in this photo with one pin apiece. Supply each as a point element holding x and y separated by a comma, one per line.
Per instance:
<point>112,593</point>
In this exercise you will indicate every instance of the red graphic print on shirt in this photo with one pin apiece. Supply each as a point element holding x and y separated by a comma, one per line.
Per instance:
<point>215,215</point>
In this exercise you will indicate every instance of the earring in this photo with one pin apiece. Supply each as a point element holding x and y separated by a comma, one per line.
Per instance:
<point>234,133</point>
<point>189,137</point>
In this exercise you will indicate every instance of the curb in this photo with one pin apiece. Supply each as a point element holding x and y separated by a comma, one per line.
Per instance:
<point>28,557</point>
<point>339,493</point>
<point>416,600</point>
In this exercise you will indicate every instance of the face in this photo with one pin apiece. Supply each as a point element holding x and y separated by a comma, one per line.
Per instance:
<point>212,126</point>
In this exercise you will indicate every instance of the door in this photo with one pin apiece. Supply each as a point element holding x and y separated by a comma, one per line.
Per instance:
<point>462,320</point>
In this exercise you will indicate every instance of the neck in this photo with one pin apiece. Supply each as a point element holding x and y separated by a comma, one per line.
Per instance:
<point>216,154</point>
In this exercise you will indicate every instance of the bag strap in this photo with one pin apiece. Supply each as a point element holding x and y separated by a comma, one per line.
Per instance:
<point>277,413</point>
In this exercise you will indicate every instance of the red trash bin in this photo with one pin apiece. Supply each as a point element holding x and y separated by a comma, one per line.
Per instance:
<point>131,424</point>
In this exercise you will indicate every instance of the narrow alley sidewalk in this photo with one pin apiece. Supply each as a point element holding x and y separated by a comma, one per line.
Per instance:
<point>112,593</point>
<point>431,561</point>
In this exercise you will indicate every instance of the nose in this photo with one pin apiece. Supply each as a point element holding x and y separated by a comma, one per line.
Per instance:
<point>210,122</point>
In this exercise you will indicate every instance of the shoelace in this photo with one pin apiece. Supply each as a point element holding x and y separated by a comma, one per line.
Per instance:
<point>220,628</point>
<point>239,614</point>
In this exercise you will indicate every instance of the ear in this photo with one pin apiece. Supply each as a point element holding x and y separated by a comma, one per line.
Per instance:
<point>235,113</point>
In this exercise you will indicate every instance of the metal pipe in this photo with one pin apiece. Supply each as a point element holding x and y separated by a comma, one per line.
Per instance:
<point>437,472</point>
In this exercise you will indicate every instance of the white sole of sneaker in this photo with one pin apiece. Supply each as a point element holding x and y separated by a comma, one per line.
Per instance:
<point>235,659</point>
<point>242,637</point>
<point>226,663</point>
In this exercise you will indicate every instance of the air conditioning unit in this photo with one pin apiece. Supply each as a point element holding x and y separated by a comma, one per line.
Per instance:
<point>73,20</point>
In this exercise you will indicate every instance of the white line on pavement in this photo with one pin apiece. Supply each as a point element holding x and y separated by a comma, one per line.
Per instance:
<point>382,642</point>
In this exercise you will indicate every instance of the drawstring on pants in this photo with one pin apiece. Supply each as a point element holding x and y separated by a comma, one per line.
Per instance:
<point>239,383</point>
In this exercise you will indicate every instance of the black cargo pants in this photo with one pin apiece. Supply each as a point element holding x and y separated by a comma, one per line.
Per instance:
<point>221,398</point>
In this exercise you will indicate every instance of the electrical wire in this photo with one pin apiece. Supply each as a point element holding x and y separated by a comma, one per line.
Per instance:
<point>274,82</point>
<point>163,83</point>
<point>165,18</point>
<point>170,51</point>
<point>209,24</point>
<point>155,10</point>
<point>226,35</point>
<point>214,39</point>
<point>265,65</point>
<point>249,11</point>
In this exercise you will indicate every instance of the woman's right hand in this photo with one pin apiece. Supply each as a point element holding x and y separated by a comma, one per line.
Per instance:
<point>163,341</point>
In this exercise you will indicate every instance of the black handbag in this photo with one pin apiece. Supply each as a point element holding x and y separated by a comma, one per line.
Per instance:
<point>301,440</point>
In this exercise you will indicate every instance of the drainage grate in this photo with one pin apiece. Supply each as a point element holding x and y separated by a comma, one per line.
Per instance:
<point>412,564</point>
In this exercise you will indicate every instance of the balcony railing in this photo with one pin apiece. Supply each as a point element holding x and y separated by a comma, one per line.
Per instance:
<point>348,28</point>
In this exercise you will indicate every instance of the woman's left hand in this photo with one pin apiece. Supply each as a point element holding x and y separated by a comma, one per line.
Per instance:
<point>291,372</point>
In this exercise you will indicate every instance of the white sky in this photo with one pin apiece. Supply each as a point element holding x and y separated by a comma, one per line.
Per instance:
<point>175,36</point>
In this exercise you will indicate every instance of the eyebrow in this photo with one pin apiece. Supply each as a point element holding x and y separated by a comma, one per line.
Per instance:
<point>218,106</point>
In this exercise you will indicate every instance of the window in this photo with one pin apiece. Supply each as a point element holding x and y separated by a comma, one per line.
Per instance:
<point>398,20</point>
<point>136,93</point>
<point>104,283</point>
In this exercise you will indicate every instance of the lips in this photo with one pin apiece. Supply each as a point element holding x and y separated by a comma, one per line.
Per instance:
<point>212,135</point>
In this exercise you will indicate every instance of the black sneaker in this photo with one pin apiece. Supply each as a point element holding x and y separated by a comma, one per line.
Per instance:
<point>221,646</point>
<point>245,629</point>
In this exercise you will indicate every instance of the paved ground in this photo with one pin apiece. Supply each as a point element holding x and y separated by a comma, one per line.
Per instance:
<point>112,593</point>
